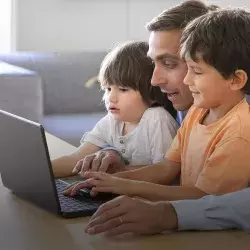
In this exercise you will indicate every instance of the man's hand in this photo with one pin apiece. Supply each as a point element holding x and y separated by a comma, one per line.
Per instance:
<point>102,182</point>
<point>132,215</point>
<point>104,161</point>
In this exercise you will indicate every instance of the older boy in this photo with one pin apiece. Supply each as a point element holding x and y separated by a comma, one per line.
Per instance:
<point>211,212</point>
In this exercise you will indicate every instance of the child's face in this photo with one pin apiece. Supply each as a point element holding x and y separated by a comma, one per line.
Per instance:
<point>125,104</point>
<point>208,87</point>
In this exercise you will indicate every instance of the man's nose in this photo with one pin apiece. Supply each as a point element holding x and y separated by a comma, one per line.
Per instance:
<point>157,77</point>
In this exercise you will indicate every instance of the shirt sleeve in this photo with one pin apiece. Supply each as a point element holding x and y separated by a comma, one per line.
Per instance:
<point>99,133</point>
<point>163,131</point>
<point>215,212</point>
<point>227,169</point>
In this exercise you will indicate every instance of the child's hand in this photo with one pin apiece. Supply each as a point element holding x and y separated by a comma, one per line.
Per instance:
<point>103,161</point>
<point>74,188</point>
<point>102,182</point>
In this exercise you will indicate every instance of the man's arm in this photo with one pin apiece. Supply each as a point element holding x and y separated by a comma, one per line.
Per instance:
<point>163,172</point>
<point>143,217</point>
<point>215,212</point>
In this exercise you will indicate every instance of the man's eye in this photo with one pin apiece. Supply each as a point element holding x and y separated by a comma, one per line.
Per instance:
<point>197,73</point>
<point>169,65</point>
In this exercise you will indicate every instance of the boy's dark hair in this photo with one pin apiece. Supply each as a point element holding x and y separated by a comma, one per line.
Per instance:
<point>127,65</point>
<point>222,39</point>
<point>179,16</point>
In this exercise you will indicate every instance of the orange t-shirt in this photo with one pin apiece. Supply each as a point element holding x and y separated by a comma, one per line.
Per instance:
<point>214,158</point>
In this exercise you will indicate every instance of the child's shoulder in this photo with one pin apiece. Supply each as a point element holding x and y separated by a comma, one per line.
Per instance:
<point>107,119</point>
<point>243,110</point>
<point>239,116</point>
<point>240,119</point>
<point>240,113</point>
<point>156,113</point>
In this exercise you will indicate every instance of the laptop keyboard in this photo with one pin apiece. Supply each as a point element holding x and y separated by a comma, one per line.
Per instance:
<point>81,203</point>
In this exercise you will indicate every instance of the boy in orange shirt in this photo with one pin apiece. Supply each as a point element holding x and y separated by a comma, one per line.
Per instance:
<point>212,147</point>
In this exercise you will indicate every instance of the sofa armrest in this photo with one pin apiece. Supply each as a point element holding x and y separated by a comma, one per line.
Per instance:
<point>63,76</point>
<point>21,92</point>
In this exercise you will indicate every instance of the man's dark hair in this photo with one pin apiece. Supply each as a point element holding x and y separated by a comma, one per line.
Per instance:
<point>222,39</point>
<point>127,65</point>
<point>179,16</point>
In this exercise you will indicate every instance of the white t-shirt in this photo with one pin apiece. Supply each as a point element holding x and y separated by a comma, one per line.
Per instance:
<point>146,144</point>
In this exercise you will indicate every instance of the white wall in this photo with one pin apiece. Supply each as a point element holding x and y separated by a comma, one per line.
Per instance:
<point>5,23</point>
<point>56,25</point>
<point>232,3</point>
<point>76,25</point>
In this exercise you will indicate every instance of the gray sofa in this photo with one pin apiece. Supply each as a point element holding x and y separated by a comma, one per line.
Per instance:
<point>50,88</point>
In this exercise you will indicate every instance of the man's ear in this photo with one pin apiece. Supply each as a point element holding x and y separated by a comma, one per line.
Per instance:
<point>239,79</point>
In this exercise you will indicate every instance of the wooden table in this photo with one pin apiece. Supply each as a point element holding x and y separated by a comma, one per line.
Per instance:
<point>24,226</point>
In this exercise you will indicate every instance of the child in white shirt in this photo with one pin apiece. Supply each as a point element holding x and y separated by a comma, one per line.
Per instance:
<point>137,123</point>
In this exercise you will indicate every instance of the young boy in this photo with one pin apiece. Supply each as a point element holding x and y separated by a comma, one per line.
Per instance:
<point>211,149</point>
<point>139,121</point>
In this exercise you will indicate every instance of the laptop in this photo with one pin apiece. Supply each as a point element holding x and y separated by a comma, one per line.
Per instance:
<point>26,169</point>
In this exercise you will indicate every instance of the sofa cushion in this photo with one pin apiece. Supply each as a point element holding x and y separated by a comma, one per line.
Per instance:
<point>71,127</point>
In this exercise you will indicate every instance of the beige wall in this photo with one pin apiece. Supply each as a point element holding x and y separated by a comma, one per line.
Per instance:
<point>59,25</point>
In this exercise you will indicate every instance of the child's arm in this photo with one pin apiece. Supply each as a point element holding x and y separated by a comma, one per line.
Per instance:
<point>156,192</point>
<point>163,172</point>
<point>102,182</point>
<point>63,166</point>
<point>91,142</point>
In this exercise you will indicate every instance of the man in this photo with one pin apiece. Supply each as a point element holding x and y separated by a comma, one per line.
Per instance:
<point>126,214</point>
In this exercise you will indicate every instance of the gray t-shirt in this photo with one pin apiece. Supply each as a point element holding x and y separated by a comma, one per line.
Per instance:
<point>146,144</point>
